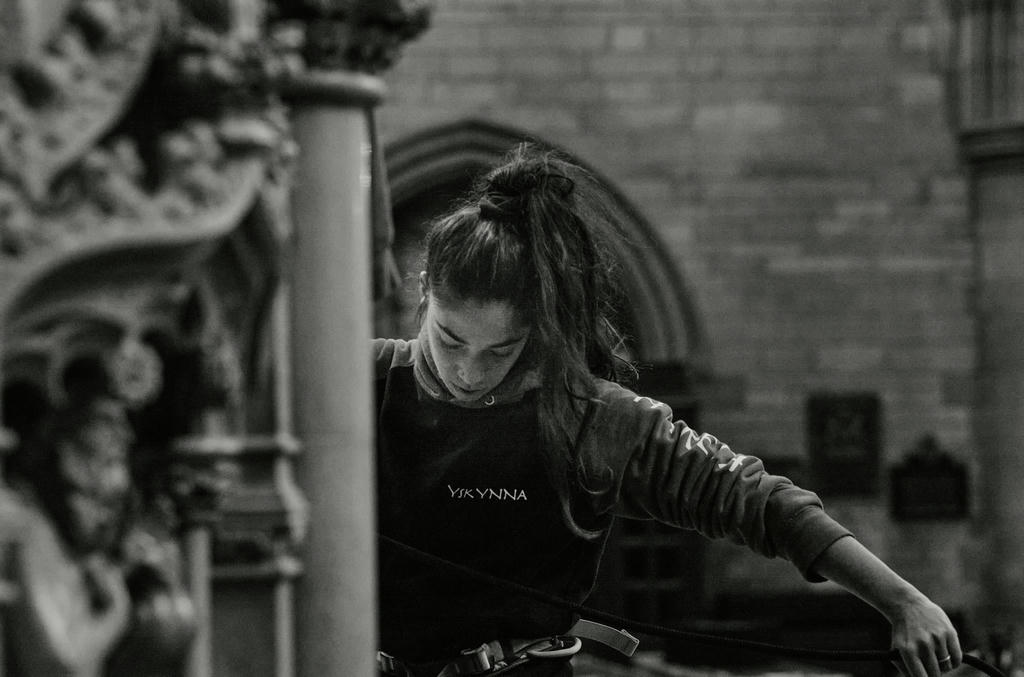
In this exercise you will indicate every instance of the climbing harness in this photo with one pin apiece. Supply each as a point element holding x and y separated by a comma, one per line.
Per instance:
<point>493,658</point>
<point>596,615</point>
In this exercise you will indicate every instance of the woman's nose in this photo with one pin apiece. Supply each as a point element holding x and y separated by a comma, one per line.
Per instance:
<point>471,374</point>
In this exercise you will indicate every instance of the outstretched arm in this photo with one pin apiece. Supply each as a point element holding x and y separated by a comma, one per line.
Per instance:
<point>921,631</point>
<point>679,477</point>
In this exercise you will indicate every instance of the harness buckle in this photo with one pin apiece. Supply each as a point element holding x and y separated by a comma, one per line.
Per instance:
<point>559,647</point>
<point>390,665</point>
<point>474,661</point>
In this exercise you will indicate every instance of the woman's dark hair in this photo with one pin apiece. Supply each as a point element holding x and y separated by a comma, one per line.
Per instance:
<point>532,233</point>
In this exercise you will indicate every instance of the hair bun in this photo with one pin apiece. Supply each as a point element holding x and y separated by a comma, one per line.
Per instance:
<point>494,209</point>
<point>519,181</point>
<point>506,191</point>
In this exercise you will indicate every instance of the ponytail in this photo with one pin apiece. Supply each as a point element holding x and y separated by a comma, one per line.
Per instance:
<point>533,233</point>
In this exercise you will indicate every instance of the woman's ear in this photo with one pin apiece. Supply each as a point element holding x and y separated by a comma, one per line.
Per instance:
<point>423,285</point>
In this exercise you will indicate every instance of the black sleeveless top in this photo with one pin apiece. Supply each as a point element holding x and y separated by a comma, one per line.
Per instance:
<point>469,485</point>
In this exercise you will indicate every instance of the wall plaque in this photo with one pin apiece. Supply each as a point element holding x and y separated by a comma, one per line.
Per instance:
<point>928,484</point>
<point>844,435</point>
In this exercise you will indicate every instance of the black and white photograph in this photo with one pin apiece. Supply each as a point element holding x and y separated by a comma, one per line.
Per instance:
<point>538,338</point>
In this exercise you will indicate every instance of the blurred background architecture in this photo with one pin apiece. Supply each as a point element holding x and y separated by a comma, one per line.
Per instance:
<point>208,207</point>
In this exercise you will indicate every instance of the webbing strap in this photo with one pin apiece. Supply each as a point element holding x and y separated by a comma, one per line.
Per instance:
<point>620,640</point>
<point>490,658</point>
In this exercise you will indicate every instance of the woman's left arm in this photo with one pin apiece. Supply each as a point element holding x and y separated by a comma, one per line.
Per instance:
<point>921,631</point>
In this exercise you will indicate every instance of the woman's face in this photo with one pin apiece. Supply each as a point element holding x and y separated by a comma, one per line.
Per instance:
<point>474,344</point>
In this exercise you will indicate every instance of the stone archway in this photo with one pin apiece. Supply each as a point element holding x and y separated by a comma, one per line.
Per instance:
<point>429,168</point>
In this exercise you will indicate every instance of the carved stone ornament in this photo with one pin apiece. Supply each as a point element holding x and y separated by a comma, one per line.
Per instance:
<point>145,163</point>
<point>357,35</point>
<point>67,85</point>
<point>200,486</point>
<point>92,154</point>
<point>136,371</point>
<point>94,580</point>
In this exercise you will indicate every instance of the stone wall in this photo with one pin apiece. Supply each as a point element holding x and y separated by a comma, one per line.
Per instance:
<point>798,160</point>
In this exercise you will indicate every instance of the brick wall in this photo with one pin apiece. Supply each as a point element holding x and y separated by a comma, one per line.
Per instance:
<point>797,159</point>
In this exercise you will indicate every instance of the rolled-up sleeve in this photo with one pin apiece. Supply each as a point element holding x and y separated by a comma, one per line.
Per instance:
<point>664,470</point>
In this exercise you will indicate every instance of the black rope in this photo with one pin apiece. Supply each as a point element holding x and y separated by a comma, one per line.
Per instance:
<point>837,655</point>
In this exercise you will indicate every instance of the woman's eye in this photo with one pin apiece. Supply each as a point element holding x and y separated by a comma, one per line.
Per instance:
<point>501,353</point>
<point>448,345</point>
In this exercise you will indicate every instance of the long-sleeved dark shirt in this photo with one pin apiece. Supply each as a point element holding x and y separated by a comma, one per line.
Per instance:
<point>469,484</point>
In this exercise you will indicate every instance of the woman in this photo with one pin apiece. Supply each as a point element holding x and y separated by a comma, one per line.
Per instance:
<point>507,445</point>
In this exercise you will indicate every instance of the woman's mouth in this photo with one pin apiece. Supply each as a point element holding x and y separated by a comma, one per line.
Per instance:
<point>466,392</point>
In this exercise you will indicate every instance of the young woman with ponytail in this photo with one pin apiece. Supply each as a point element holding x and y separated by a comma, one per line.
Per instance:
<point>506,444</point>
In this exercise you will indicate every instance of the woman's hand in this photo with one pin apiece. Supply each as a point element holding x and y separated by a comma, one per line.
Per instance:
<point>924,637</point>
<point>921,632</point>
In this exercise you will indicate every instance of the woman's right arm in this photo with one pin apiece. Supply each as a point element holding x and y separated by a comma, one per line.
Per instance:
<point>669,472</point>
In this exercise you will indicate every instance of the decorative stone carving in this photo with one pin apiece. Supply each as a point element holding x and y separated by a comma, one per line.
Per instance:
<point>136,371</point>
<point>232,482</point>
<point>170,337</point>
<point>231,68</point>
<point>201,480</point>
<point>163,621</point>
<point>89,156</point>
<point>356,35</point>
<point>16,232</point>
<point>79,167</point>
<point>145,159</point>
<point>71,85</point>
<point>74,562</point>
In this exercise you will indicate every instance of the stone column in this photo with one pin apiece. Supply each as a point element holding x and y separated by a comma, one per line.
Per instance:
<point>989,51</point>
<point>999,421</point>
<point>7,588</point>
<point>197,542</point>
<point>205,470</point>
<point>332,311</point>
